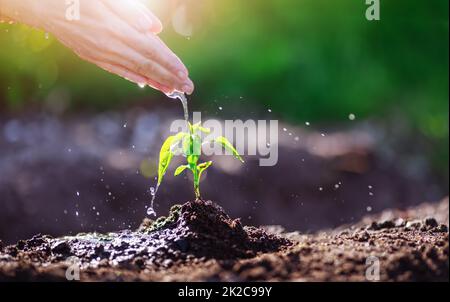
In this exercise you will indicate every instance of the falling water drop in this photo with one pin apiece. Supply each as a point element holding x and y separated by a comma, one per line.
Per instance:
<point>150,210</point>
<point>183,99</point>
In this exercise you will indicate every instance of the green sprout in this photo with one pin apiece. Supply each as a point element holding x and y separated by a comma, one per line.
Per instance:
<point>190,144</point>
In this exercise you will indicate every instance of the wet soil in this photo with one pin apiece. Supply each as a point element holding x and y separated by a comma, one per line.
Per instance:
<point>198,241</point>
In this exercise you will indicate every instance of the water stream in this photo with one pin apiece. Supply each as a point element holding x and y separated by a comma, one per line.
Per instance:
<point>182,97</point>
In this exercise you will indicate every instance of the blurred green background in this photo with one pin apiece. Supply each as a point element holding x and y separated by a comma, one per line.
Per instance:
<point>313,60</point>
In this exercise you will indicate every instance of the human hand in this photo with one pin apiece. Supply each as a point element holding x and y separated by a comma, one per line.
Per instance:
<point>119,36</point>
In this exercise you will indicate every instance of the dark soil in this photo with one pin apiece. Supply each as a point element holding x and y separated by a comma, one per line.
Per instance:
<point>198,241</point>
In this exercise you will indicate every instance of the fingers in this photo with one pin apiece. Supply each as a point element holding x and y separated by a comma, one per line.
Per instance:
<point>124,73</point>
<point>158,73</point>
<point>131,76</point>
<point>173,56</point>
<point>122,40</point>
<point>146,56</point>
<point>169,65</point>
<point>136,14</point>
<point>153,48</point>
<point>157,61</point>
<point>150,69</point>
<point>157,26</point>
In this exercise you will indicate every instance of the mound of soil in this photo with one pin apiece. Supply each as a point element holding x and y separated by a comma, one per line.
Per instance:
<point>199,242</point>
<point>197,230</point>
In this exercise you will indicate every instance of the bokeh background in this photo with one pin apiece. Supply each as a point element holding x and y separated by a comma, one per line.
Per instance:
<point>65,124</point>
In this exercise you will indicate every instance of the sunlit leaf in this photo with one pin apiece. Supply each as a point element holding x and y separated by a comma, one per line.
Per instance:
<point>198,127</point>
<point>165,156</point>
<point>228,146</point>
<point>180,169</point>
<point>192,145</point>
<point>202,167</point>
<point>177,143</point>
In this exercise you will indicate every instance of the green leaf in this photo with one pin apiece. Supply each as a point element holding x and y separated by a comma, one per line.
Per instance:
<point>175,145</point>
<point>180,169</point>
<point>228,146</point>
<point>192,145</point>
<point>198,127</point>
<point>192,160</point>
<point>165,156</point>
<point>202,167</point>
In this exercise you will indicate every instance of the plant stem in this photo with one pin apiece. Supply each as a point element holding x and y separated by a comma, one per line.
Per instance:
<point>196,184</point>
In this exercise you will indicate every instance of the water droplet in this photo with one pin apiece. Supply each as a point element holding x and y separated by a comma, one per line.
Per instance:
<point>320,189</point>
<point>369,209</point>
<point>78,193</point>
<point>307,123</point>
<point>284,129</point>
<point>220,108</point>
<point>351,117</point>
<point>76,213</point>
<point>141,85</point>
<point>370,187</point>
<point>336,186</point>
<point>370,193</point>
<point>125,125</point>
<point>98,214</point>
<point>152,191</point>
<point>151,212</point>
<point>269,110</point>
<point>297,138</point>
<point>323,134</point>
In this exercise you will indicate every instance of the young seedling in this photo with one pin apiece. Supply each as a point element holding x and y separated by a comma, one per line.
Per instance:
<point>190,144</point>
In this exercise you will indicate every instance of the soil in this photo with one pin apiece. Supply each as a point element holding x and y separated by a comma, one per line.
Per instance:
<point>198,241</point>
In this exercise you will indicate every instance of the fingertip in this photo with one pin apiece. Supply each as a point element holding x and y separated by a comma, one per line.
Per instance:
<point>188,87</point>
<point>157,26</point>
